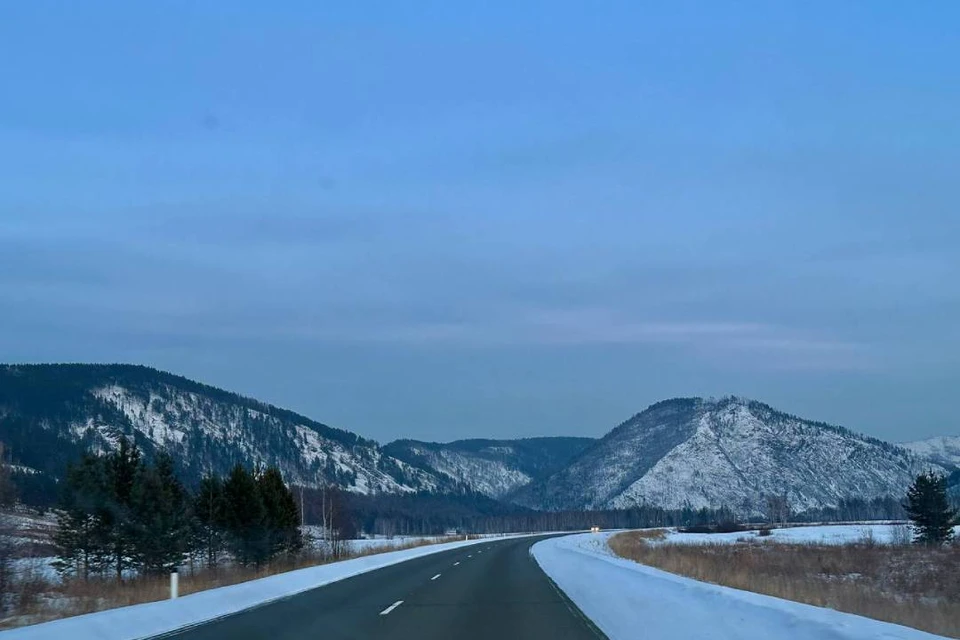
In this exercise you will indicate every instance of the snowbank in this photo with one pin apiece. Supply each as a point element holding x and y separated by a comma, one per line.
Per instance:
<point>624,598</point>
<point>146,620</point>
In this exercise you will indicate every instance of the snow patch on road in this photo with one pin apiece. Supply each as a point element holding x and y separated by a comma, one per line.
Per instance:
<point>622,597</point>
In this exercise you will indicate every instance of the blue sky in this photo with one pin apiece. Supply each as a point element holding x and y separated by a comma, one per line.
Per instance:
<point>425,220</point>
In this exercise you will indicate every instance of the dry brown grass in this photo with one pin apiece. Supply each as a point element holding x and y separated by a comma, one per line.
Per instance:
<point>910,585</point>
<point>625,541</point>
<point>41,601</point>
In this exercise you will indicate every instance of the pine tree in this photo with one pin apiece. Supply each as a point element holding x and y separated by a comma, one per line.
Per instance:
<point>83,533</point>
<point>208,519</point>
<point>160,517</point>
<point>929,510</point>
<point>245,517</point>
<point>282,514</point>
<point>123,471</point>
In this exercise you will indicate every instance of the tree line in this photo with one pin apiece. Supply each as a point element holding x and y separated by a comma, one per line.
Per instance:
<point>471,512</point>
<point>119,514</point>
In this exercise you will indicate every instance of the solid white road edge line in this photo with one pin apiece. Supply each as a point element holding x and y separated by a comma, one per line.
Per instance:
<point>391,607</point>
<point>435,577</point>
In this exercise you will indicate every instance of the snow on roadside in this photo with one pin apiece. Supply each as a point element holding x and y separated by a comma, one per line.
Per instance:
<point>621,597</point>
<point>154,618</point>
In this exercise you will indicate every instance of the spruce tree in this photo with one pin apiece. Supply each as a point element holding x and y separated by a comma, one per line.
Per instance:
<point>83,533</point>
<point>123,471</point>
<point>208,519</point>
<point>282,514</point>
<point>929,510</point>
<point>245,517</point>
<point>160,517</point>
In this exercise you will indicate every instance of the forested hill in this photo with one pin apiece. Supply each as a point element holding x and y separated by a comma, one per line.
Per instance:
<point>492,467</point>
<point>50,414</point>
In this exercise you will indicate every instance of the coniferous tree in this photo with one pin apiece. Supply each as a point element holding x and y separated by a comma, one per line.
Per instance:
<point>123,471</point>
<point>83,534</point>
<point>208,519</point>
<point>245,517</point>
<point>282,514</point>
<point>161,521</point>
<point>929,510</point>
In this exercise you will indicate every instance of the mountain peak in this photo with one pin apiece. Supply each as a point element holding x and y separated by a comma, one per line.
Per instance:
<point>730,451</point>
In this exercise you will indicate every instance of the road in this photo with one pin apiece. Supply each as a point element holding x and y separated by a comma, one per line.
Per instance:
<point>490,590</point>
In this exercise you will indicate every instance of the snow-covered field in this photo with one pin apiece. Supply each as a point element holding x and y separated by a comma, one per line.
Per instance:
<point>365,544</point>
<point>820,534</point>
<point>155,618</point>
<point>876,533</point>
<point>26,529</point>
<point>314,536</point>
<point>36,568</point>
<point>622,597</point>
<point>41,567</point>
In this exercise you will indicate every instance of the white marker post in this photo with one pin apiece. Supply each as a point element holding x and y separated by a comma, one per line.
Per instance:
<point>174,584</point>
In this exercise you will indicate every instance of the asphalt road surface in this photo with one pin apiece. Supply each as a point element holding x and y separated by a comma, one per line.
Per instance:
<point>490,590</point>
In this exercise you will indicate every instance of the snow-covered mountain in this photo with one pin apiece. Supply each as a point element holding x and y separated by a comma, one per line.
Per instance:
<point>491,467</point>
<point>943,450</point>
<point>50,414</point>
<point>732,452</point>
<point>678,453</point>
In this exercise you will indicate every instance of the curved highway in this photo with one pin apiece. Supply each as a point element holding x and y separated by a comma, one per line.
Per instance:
<point>489,590</point>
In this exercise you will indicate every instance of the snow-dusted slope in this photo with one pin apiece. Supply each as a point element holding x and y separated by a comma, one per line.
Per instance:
<point>490,477</point>
<point>731,452</point>
<point>943,450</point>
<point>492,467</point>
<point>49,413</point>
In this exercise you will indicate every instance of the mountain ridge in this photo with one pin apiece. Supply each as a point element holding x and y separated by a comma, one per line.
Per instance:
<point>686,452</point>
<point>50,414</point>
<point>492,467</point>
<point>943,450</point>
<point>731,451</point>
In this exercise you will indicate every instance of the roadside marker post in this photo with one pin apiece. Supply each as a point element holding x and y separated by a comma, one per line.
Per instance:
<point>174,584</point>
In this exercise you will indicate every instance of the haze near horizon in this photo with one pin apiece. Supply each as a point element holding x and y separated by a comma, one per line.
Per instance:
<point>512,221</point>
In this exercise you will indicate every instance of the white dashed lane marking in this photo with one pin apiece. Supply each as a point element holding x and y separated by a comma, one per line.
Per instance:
<point>391,607</point>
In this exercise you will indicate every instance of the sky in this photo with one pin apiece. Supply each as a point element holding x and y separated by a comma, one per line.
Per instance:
<point>508,219</point>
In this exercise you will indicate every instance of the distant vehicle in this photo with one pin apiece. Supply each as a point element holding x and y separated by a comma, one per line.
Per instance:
<point>594,529</point>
